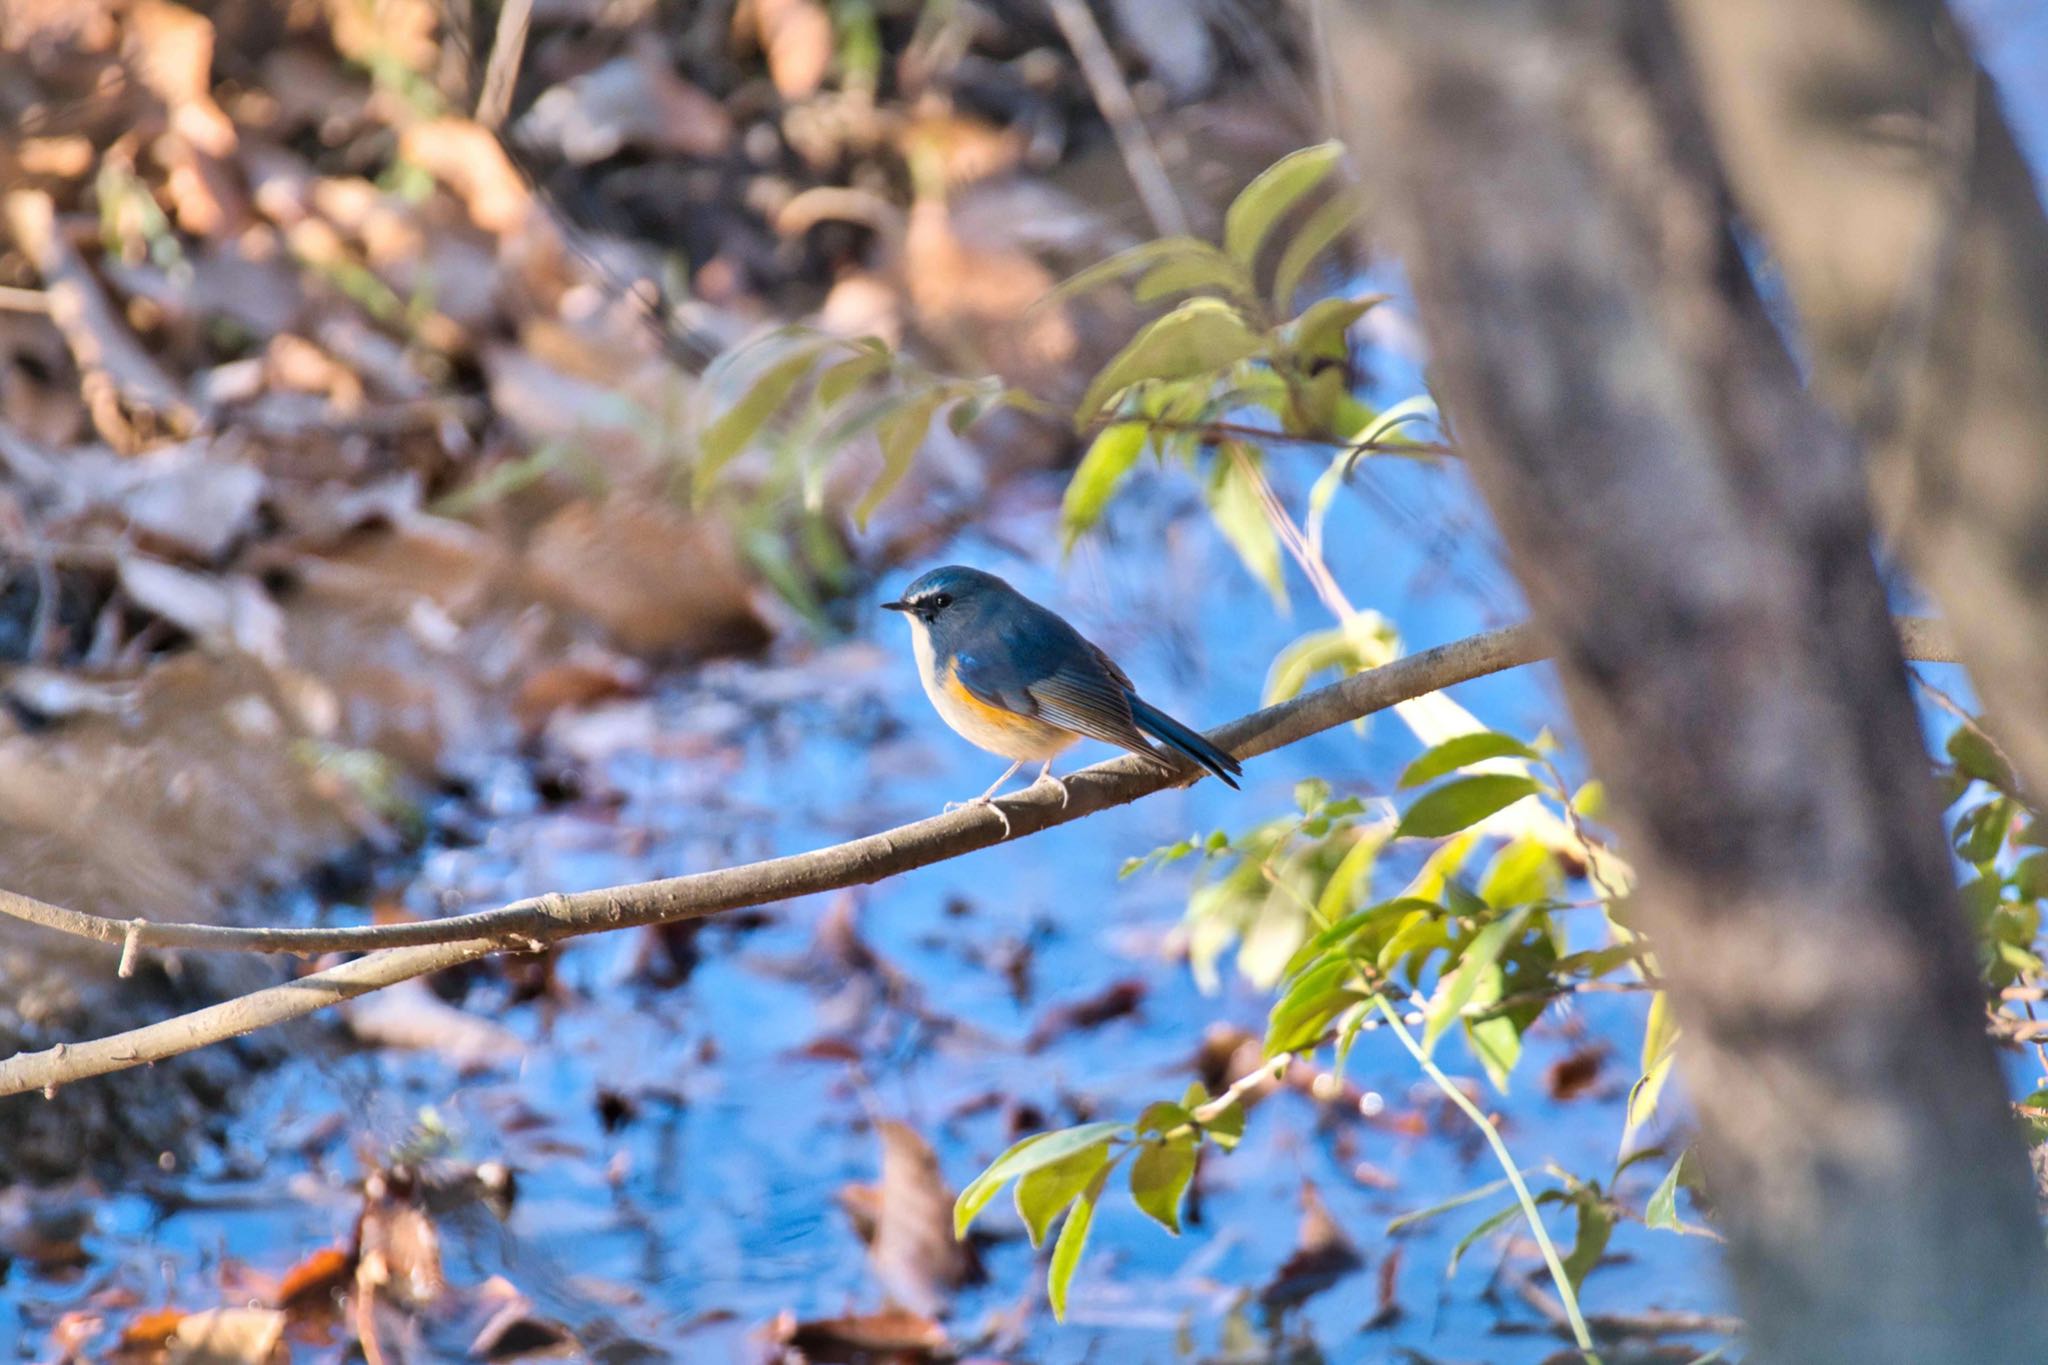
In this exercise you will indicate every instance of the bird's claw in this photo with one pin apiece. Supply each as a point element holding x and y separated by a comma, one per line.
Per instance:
<point>988,801</point>
<point>1058,786</point>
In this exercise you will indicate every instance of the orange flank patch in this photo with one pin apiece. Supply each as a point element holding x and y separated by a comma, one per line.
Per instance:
<point>994,717</point>
<point>994,728</point>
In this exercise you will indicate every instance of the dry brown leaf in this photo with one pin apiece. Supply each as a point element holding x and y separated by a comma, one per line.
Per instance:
<point>468,158</point>
<point>398,1250</point>
<point>171,51</point>
<point>574,682</point>
<point>659,580</point>
<point>1323,1255</point>
<point>151,1331</point>
<point>315,1278</point>
<point>891,1329</point>
<point>914,1252</point>
<point>227,1336</point>
<point>1575,1074</point>
<point>1114,1001</point>
<point>797,37</point>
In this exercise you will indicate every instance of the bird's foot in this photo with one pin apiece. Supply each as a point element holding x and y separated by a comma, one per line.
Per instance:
<point>988,801</point>
<point>1058,786</point>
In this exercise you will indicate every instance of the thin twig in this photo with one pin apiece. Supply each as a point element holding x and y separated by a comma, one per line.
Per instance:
<point>501,73</point>
<point>1113,98</point>
<point>1506,1158</point>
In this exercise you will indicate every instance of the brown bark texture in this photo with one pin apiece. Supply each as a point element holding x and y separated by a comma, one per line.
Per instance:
<point>1867,145</point>
<point>1693,535</point>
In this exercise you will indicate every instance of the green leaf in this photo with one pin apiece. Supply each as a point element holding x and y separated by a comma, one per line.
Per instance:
<point>844,376</point>
<point>1310,1002</point>
<point>1596,1225</point>
<point>1159,1177</point>
<point>1110,458</point>
<point>1066,1253</point>
<point>1662,1210</point>
<point>1350,648</point>
<point>740,423</point>
<point>1202,338</point>
<point>1331,220</point>
<point>1154,253</point>
<point>1040,1149</point>
<point>1491,1223</point>
<point>1973,752</point>
<point>1462,751</point>
<point>1043,1193</point>
<point>1456,1201</point>
<point>900,433</point>
<point>1192,273</point>
<point>1482,953</point>
<point>1226,1130</point>
<point>1497,1043</point>
<point>1240,515</point>
<point>1320,331</point>
<point>1462,803</point>
<point>1525,870</point>
<point>1164,1115</point>
<point>1268,198</point>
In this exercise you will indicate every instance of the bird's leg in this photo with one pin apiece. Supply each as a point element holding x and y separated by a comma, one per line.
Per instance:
<point>1045,775</point>
<point>987,798</point>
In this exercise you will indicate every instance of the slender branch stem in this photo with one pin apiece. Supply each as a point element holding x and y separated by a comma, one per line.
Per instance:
<point>1506,1158</point>
<point>400,952</point>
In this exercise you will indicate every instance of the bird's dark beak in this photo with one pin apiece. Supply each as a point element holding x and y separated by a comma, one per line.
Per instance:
<point>895,606</point>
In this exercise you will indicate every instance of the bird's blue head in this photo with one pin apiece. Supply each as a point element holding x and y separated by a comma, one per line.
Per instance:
<point>952,594</point>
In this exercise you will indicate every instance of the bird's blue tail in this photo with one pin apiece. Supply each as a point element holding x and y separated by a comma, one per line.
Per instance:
<point>1171,732</point>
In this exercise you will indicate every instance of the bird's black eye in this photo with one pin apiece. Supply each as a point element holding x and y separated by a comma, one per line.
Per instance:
<point>939,601</point>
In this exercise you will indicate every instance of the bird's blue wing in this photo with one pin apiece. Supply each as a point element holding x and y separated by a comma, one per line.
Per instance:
<point>1057,677</point>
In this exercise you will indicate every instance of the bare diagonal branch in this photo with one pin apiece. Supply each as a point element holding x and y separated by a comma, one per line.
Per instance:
<point>399,952</point>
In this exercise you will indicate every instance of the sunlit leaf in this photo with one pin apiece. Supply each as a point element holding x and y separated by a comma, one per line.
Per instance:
<point>1066,1253</point>
<point>1240,515</point>
<point>1461,803</point>
<point>1110,458</point>
<point>1462,751</point>
<point>1661,1211</point>
<point>1159,1177</point>
<point>1226,1130</point>
<point>1268,198</point>
<point>1319,334</point>
<point>1331,220</point>
<point>1043,1193</point>
<point>1975,755</point>
<point>1497,1043</point>
<point>1147,254</point>
<point>1202,337</point>
<point>1040,1149</point>
<point>1192,273</point>
<point>1458,989</point>
<point>900,433</point>
<point>737,425</point>
<point>1524,870</point>
<point>844,376</point>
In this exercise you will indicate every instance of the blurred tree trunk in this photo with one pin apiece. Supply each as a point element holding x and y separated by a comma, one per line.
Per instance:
<point>1693,534</point>
<point>1866,143</point>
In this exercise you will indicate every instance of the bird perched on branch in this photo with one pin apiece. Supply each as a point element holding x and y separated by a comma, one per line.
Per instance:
<point>1017,680</point>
